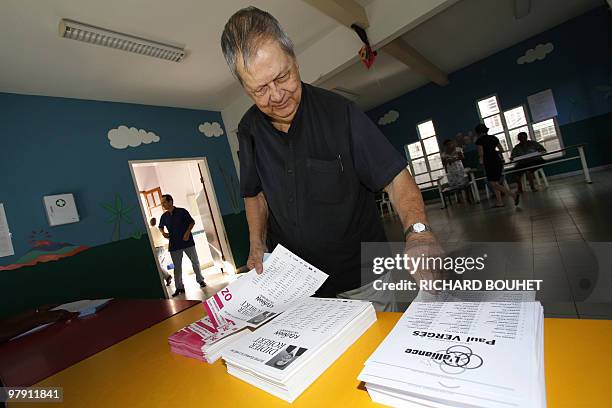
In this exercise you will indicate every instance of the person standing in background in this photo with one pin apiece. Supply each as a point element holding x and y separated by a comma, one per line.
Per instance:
<point>160,248</point>
<point>451,159</point>
<point>179,224</point>
<point>490,154</point>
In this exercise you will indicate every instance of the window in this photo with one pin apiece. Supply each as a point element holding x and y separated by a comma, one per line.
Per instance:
<point>491,116</point>
<point>508,124</point>
<point>424,159</point>
<point>546,133</point>
<point>152,199</point>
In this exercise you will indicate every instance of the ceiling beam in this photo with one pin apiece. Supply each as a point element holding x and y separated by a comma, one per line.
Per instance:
<point>403,52</point>
<point>346,12</point>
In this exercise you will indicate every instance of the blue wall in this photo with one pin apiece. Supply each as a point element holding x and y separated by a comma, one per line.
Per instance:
<point>578,70</point>
<point>57,145</point>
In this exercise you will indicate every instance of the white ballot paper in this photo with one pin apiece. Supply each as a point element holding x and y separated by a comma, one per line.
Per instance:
<point>84,307</point>
<point>462,354</point>
<point>287,354</point>
<point>254,299</point>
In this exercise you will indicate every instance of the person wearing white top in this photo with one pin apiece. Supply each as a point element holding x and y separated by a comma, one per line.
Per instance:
<point>160,248</point>
<point>451,156</point>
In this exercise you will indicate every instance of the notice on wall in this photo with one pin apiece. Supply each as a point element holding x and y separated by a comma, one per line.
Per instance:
<point>542,105</point>
<point>6,243</point>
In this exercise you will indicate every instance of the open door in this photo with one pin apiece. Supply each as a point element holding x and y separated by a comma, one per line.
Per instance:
<point>189,183</point>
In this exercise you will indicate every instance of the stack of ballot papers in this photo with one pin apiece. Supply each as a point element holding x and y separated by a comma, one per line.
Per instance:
<point>203,341</point>
<point>462,353</point>
<point>255,298</point>
<point>287,354</point>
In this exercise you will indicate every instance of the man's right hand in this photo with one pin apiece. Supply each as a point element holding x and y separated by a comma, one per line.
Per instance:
<point>425,245</point>
<point>256,254</point>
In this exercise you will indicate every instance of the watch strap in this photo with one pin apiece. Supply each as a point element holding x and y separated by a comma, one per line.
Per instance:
<point>410,230</point>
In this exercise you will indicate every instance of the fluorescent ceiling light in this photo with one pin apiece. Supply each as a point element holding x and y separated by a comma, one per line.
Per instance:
<point>112,39</point>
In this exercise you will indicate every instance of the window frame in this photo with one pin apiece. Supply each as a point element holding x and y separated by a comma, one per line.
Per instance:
<point>146,194</point>
<point>557,132</point>
<point>425,156</point>
<point>506,130</point>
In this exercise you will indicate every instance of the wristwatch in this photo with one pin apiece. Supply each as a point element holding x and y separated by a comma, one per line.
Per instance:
<point>417,228</point>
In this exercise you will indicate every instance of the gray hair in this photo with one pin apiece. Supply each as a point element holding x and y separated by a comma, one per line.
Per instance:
<point>245,31</point>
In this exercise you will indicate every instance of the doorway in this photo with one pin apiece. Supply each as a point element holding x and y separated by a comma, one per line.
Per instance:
<point>189,183</point>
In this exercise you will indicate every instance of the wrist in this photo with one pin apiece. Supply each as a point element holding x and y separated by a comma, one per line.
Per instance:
<point>256,243</point>
<point>426,236</point>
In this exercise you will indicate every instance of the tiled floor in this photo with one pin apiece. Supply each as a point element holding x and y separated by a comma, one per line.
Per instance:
<point>562,235</point>
<point>214,279</point>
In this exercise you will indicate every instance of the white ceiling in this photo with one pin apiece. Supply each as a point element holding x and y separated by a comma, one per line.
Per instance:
<point>35,60</point>
<point>455,38</point>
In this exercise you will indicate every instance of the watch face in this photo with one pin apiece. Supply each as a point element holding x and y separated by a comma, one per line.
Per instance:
<point>418,227</point>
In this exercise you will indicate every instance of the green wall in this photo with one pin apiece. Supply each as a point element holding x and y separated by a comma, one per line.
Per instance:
<point>120,269</point>
<point>237,231</point>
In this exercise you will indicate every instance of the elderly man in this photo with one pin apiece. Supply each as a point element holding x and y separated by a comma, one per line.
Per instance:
<point>311,161</point>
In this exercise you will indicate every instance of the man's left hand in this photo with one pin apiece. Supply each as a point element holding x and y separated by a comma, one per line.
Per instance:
<point>186,236</point>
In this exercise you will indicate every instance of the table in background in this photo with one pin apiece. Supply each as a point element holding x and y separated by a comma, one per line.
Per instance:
<point>142,372</point>
<point>510,167</point>
<point>29,359</point>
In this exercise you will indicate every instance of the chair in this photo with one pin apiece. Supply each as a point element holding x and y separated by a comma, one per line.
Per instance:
<point>540,178</point>
<point>447,191</point>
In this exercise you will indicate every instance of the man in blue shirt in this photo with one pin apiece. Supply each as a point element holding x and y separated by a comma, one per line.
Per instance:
<point>179,224</point>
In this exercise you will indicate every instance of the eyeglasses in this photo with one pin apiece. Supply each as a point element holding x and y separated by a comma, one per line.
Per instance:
<point>264,90</point>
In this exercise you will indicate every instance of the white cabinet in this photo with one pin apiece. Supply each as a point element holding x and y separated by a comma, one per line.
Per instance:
<point>61,209</point>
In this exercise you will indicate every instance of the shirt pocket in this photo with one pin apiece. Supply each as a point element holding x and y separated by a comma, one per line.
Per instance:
<point>326,180</point>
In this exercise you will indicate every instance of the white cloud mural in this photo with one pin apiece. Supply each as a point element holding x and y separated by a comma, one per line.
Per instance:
<point>388,117</point>
<point>123,137</point>
<point>211,129</point>
<point>535,54</point>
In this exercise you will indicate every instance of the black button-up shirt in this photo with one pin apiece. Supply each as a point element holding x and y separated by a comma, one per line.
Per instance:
<point>177,223</point>
<point>319,180</point>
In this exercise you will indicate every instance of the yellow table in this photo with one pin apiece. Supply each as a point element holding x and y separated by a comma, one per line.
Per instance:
<point>142,372</point>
